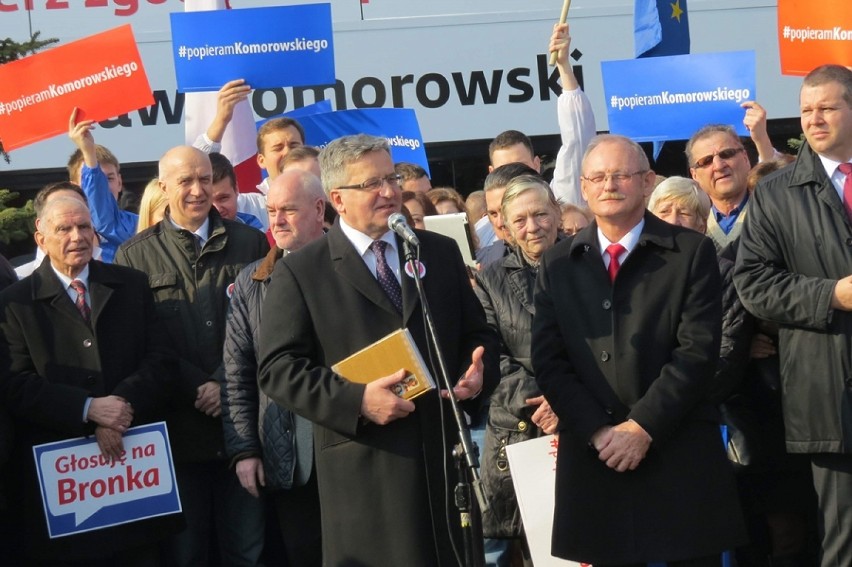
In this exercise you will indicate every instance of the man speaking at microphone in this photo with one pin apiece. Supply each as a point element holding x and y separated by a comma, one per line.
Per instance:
<point>384,464</point>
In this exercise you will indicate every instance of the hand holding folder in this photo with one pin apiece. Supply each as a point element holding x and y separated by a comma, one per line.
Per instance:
<point>394,372</point>
<point>380,404</point>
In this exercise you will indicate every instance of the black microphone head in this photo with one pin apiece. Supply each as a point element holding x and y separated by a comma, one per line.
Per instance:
<point>396,220</point>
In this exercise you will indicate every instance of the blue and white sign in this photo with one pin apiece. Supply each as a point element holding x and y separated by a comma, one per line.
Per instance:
<point>398,125</point>
<point>669,98</point>
<point>83,491</point>
<point>298,113</point>
<point>280,46</point>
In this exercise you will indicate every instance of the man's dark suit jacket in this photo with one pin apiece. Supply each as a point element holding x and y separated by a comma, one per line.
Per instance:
<point>384,490</point>
<point>51,361</point>
<point>643,348</point>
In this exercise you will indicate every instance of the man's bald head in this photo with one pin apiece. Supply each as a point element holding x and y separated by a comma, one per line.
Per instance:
<point>296,205</point>
<point>186,177</point>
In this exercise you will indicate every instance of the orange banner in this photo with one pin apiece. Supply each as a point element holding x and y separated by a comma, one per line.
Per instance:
<point>102,75</point>
<point>811,34</point>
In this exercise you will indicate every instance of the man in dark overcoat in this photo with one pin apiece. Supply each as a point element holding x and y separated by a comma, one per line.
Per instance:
<point>795,268</point>
<point>383,463</point>
<point>625,345</point>
<point>80,361</point>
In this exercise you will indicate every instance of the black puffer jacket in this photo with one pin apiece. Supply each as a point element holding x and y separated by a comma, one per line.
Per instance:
<point>254,425</point>
<point>505,289</point>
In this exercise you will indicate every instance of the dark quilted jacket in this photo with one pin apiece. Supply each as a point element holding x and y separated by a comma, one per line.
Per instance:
<point>254,425</point>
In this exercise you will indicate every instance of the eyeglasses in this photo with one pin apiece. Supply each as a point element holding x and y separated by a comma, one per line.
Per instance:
<point>376,183</point>
<point>725,154</point>
<point>618,178</point>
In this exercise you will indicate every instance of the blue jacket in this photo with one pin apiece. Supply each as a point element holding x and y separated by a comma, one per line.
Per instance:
<point>112,224</point>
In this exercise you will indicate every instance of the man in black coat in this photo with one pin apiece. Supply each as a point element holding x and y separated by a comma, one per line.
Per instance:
<point>383,463</point>
<point>625,345</point>
<point>793,268</point>
<point>91,368</point>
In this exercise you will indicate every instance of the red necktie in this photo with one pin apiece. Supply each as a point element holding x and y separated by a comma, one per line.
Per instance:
<point>846,169</point>
<point>80,302</point>
<point>614,250</point>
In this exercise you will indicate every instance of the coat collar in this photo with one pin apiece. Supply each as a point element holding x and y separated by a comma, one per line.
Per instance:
<point>350,266</point>
<point>267,265</point>
<point>216,237</point>
<point>808,172</point>
<point>47,287</point>
<point>514,258</point>
<point>656,232</point>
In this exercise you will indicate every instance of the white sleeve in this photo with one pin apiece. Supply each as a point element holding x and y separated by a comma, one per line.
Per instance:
<point>254,204</point>
<point>577,128</point>
<point>206,145</point>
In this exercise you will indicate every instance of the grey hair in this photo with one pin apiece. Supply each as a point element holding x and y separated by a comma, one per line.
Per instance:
<point>339,153</point>
<point>608,138</point>
<point>523,183</point>
<point>58,201</point>
<point>684,191</point>
<point>310,183</point>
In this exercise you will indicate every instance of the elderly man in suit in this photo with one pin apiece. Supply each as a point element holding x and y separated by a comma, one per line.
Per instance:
<point>625,344</point>
<point>81,354</point>
<point>382,461</point>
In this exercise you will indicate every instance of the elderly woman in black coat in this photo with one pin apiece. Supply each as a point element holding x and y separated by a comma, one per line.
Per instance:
<point>517,411</point>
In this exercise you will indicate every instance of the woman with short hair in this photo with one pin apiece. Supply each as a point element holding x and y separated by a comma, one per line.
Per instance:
<point>518,411</point>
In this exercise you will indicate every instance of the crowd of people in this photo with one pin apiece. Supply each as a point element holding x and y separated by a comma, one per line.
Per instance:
<point>627,314</point>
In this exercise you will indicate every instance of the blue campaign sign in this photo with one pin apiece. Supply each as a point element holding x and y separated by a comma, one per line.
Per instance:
<point>297,114</point>
<point>669,98</point>
<point>280,46</point>
<point>83,491</point>
<point>316,108</point>
<point>398,125</point>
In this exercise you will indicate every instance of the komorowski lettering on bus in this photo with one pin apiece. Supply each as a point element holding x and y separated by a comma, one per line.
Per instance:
<point>468,74</point>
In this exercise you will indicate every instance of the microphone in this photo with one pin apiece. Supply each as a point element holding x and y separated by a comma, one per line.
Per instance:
<point>396,222</point>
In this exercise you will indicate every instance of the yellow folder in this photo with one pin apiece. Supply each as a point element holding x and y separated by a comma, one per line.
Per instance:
<point>383,358</point>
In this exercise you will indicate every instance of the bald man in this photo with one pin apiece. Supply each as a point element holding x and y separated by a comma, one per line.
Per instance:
<point>192,258</point>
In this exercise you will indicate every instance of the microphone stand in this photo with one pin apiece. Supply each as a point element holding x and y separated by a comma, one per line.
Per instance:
<point>464,454</point>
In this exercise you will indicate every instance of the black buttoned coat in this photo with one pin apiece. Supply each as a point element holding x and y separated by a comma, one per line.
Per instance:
<point>385,490</point>
<point>51,361</point>
<point>644,348</point>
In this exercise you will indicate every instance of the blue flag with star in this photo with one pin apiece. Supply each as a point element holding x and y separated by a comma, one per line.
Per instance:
<point>661,27</point>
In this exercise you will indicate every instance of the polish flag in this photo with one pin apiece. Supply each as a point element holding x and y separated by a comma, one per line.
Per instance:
<point>238,143</point>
